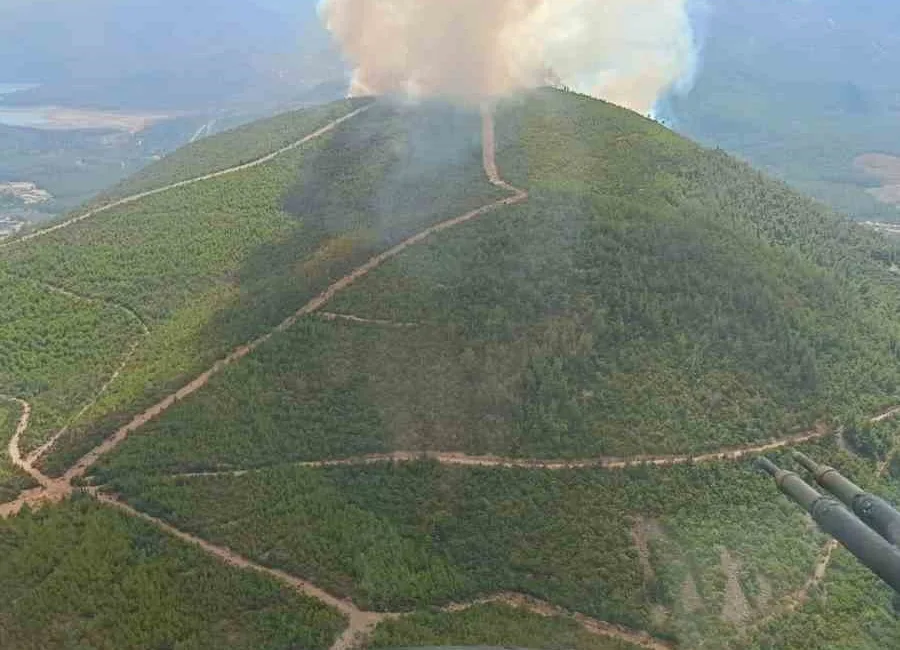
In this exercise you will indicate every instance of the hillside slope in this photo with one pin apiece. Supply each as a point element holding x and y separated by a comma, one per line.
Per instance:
<point>581,320</point>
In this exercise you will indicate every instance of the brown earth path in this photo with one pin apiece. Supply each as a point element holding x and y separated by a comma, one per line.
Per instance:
<point>191,181</point>
<point>49,489</point>
<point>61,488</point>
<point>359,622</point>
<point>329,315</point>
<point>598,462</point>
<point>35,455</point>
<point>362,622</point>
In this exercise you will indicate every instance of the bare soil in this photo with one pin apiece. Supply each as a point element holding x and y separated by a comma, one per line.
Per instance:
<point>885,168</point>
<point>736,608</point>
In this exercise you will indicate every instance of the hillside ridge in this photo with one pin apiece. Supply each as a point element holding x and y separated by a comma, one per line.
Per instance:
<point>381,270</point>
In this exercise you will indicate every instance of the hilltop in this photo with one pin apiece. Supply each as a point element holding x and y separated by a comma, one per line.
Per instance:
<point>477,370</point>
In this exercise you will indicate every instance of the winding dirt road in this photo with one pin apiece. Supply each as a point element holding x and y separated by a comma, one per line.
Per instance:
<point>57,489</point>
<point>360,622</point>
<point>545,609</point>
<point>598,462</point>
<point>191,181</point>
<point>43,449</point>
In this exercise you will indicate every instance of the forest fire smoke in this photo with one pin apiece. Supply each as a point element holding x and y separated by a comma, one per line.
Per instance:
<point>626,51</point>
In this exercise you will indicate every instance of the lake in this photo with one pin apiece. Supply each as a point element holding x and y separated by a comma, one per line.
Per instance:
<point>34,118</point>
<point>10,88</point>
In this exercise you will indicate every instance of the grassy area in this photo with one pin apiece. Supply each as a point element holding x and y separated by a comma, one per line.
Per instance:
<point>82,576</point>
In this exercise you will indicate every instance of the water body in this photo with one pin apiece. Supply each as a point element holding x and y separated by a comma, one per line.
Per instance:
<point>35,118</point>
<point>20,117</point>
<point>10,88</point>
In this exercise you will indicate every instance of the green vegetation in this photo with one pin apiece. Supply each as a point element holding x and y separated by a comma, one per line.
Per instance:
<point>238,146</point>
<point>83,576</point>
<point>717,309</point>
<point>651,297</point>
<point>213,265</point>
<point>415,535</point>
<point>486,625</point>
<point>57,350</point>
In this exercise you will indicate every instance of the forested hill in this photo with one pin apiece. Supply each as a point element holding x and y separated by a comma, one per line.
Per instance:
<point>617,295</point>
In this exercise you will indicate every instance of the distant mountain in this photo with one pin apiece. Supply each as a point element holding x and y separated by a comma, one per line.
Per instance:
<point>800,88</point>
<point>162,54</point>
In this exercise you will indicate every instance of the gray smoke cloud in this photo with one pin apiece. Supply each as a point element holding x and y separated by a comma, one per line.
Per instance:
<point>629,52</point>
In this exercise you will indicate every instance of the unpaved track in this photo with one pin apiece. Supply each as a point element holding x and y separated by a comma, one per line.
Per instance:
<point>42,450</point>
<point>598,462</point>
<point>49,490</point>
<point>191,181</point>
<point>361,623</point>
<point>592,625</point>
<point>314,305</point>
<point>328,315</point>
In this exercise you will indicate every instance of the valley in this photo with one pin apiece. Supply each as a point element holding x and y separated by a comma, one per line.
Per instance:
<point>499,375</point>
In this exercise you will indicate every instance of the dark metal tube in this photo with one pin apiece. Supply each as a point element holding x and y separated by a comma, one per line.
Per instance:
<point>871,549</point>
<point>873,510</point>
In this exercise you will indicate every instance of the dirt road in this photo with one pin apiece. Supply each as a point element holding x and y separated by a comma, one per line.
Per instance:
<point>199,179</point>
<point>545,609</point>
<point>360,622</point>
<point>50,490</point>
<point>598,462</point>
<point>43,449</point>
<point>314,305</point>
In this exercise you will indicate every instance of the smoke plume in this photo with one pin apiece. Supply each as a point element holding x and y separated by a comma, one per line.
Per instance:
<point>629,52</point>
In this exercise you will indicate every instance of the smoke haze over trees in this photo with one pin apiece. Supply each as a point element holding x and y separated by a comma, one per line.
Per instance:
<point>627,51</point>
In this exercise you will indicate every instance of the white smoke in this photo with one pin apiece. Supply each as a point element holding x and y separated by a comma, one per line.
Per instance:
<point>629,52</point>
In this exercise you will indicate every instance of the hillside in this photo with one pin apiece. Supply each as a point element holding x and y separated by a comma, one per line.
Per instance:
<point>458,375</point>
